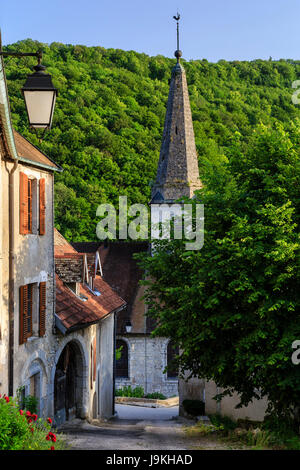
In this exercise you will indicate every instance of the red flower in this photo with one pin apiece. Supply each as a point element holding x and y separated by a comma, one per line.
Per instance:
<point>29,420</point>
<point>47,437</point>
<point>31,429</point>
<point>52,448</point>
<point>21,412</point>
<point>49,420</point>
<point>34,416</point>
<point>53,438</point>
<point>28,413</point>
<point>6,399</point>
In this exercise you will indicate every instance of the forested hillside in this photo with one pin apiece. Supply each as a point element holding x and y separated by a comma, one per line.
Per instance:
<point>109,116</point>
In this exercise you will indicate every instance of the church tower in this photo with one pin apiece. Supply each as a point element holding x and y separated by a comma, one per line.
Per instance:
<point>178,172</point>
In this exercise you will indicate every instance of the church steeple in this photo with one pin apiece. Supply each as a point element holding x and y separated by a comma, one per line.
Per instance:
<point>178,172</point>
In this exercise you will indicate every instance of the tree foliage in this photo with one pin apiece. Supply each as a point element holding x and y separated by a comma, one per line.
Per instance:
<point>109,116</point>
<point>233,306</point>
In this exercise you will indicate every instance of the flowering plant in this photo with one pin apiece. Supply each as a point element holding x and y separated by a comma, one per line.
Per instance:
<point>23,430</point>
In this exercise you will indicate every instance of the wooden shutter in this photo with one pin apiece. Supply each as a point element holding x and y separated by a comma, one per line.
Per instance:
<point>23,204</point>
<point>42,207</point>
<point>23,314</point>
<point>42,309</point>
<point>95,357</point>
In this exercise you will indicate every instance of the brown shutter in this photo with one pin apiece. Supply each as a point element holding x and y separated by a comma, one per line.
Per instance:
<point>95,357</point>
<point>42,207</point>
<point>42,317</point>
<point>29,206</point>
<point>23,204</point>
<point>23,314</point>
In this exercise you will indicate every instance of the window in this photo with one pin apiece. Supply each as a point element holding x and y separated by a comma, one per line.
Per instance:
<point>172,352</point>
<point>32,311</point>
<point>32,205</point>
<point>122,363</point>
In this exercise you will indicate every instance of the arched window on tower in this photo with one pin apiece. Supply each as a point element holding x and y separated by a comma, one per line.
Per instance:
<point>122,363</point>
<point>172,352</point>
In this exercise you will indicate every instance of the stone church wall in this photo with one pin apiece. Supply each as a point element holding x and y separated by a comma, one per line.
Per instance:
<point>147,359</point>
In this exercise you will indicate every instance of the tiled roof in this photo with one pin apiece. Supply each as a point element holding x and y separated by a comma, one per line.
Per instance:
<point>75,313</point>
<point>86,247</point>
<point>71,311</point>
<point>123,274</point>
<point>61,246</point>
<point>28,151</point>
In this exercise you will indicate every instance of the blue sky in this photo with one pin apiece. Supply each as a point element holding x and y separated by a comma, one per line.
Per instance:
<point>215,29</point>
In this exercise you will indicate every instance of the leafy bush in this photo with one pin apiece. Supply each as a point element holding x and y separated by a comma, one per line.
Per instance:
<point>14,430</point>
<point>137,392</point>
<point>22,430</point>
<point>225,422</point>
<point>194,407</point>
<point>156,396</point>
<point>30,403</point>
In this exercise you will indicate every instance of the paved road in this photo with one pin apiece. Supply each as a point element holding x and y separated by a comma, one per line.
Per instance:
<point>136,428</point>
<point>142,413</point>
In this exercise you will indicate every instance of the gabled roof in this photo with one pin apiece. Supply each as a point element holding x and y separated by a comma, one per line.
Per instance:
<point>72,312</point>
<point>30,154</point>
<point>6,134</point>
<point>61,246</point>
<point>86,247</point>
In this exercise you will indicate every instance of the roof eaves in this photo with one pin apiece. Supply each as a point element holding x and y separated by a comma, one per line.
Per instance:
<point>5,113</point>
<point>40,165</point>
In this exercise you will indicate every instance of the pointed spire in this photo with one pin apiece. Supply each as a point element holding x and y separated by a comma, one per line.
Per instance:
<point>178,172</point>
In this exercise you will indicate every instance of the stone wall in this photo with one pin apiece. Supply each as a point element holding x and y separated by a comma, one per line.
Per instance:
<point>147,358</point>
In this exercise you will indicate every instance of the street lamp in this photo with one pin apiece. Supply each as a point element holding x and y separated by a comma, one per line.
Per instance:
<point>128,326</point>
<point>38,92</point>
<point>39,96</point>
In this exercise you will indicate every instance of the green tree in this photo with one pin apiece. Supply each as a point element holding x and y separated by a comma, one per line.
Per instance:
<point>233,306</point>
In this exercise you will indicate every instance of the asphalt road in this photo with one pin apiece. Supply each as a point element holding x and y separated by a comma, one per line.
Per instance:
<point>135,428</point>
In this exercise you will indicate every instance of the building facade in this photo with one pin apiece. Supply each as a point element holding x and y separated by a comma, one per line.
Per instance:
<point>57,325</point>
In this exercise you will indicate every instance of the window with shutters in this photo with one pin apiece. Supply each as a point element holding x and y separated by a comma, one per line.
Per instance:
<point>32,311</point>
<point>32,205</point>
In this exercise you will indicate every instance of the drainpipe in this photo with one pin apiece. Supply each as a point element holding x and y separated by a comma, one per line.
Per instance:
<point>114,364</point>
<point>11,282</point>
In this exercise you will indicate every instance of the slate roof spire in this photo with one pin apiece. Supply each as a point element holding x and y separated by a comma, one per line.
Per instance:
<point>178,172</point>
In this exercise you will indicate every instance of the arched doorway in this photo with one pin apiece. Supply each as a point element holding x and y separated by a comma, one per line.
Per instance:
<point>68,384</point>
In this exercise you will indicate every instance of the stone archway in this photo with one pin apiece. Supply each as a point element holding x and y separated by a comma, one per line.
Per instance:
<point>68,384</point>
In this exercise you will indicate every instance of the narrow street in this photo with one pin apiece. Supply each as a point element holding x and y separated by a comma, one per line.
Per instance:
<point>136,428</point>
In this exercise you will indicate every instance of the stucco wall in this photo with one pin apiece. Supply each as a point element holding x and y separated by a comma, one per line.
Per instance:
<point>105,367</point>
<point>34,263</point>
<point>199,389</point>
<point>147,359</point>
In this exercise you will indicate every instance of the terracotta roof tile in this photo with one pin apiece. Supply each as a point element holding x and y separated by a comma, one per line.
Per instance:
<point>27,150</point>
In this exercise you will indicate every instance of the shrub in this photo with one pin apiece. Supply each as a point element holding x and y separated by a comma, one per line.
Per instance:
<point>137,392</point>
<point>156,396</point>
<point>30,403</point>
<point>14,430</point>
<point>194,407</point>
<point>223,422</point>
<point>22,430</point>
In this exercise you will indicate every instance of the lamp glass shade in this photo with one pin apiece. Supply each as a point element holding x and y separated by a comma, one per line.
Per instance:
<point>40,107</point>
<point>128,327</point>
<point>40,96</point>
